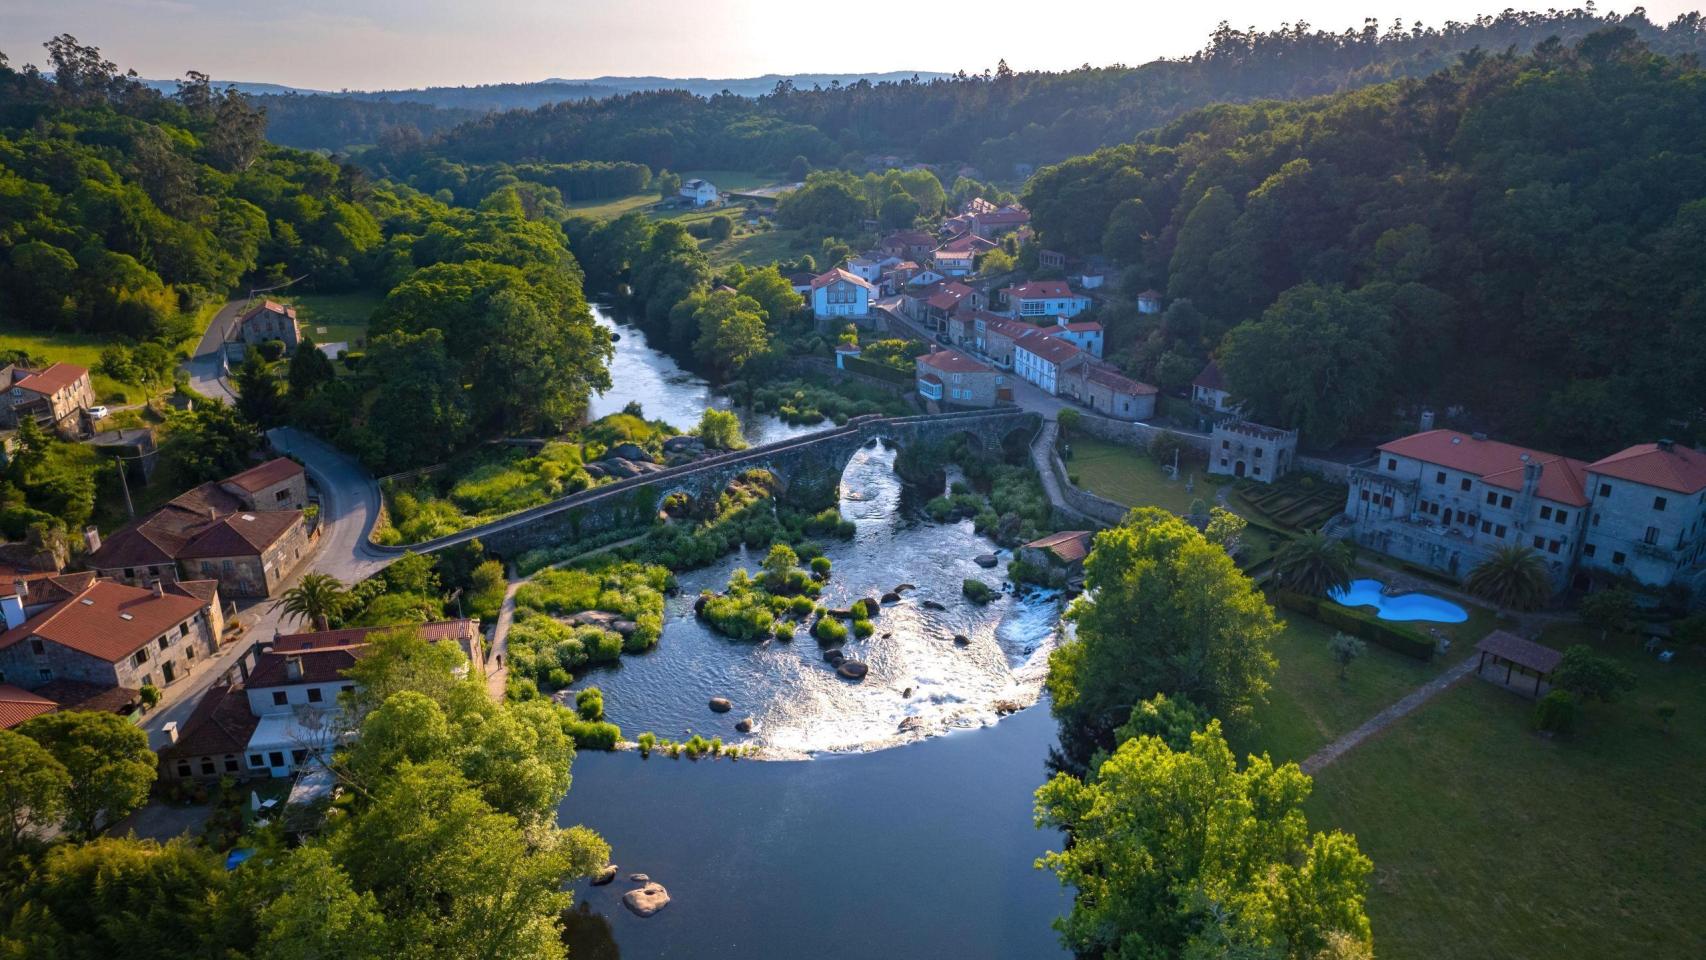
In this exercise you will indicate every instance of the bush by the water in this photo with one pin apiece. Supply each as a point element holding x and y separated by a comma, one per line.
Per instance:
<point>977,591</point>
<point>742,611</point>
<point>799,402</point>
<point>829,630</point>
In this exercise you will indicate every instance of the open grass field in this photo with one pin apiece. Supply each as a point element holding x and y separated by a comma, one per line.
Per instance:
<point>337,317</point>
<point>609,208</point>
<point>1124,475</point>
<point>84,350</point>
<point>1491,841</point>
<point>757,248</point>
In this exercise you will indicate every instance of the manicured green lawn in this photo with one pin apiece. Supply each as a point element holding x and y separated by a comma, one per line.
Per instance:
<point>1490,841</point>
<point>1127,476</point>
<point>337,317</point>
<point>609,208</point>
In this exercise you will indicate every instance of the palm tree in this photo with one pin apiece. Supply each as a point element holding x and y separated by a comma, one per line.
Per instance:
<point>317,599</point>
<point>1315,564</point>
<point>1513,577</point>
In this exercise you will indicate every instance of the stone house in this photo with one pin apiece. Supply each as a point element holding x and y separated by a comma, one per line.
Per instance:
<point>1448,500</point>
<point>212,742</point>
<point>1647,516</point>
<point>951,379</point>
<point>994,223</point>
<point>111,635</point>
<point>958,257</point>
<point>249,554</point>
<point>1064,551</point>
<point>269,320</point>
<point>911,244</point>
<point>278,484</point>
<point>996,337</point>
<point>1108,392</point>
<point>1240,448</point>
<point>57,397</point>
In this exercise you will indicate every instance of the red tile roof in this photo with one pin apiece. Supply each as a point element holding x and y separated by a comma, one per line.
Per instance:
<point>241,534</point>
<point>952,361</point>
<point>1040,290</point>
<point>1120,383</point>
<point>326,654</point>
<point>157,538</point>
<point>1562,480</point>
<point>949,296</point>
<point>930,378</point>
<point>1087,326</point>
<point>256,479</point>
<point>46,586</point>
<point>1049,349</point>
<point>825,279</point>
<point>1210,378</point>
<point>1070,546</point>
<point>1011,329</point>
<point>221,724</point>
<point>18,705</point>
<point>53,379</point>
<point>1682,469</point>
<point>966,243</point>
<point>108,620</point>
<point>270,306</point>
<point>90,697</point>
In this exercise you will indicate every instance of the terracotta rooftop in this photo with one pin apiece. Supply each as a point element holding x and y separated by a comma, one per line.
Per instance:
<point>158,537</point>
<point>1048,349</point>
<point>1040,290</point>
<point>952,361</point>
<point>1562,480</point>
<point>326,654</point>
<point>18,705</point>
<point>829,277</point>
<point>1119,382</point>
<point>91,697</point>
<point>221,724</point>
<point>1070,546</point>
<point>109,620</point>
<point>1012,329</point>
<point>1678,468</point>
<point>47,587</point>
<point>54,379</point>
<point>1524,653</point>
<point>1210,378</point>
<point>950,295</point>
<point>270,306</point>
<point>1086,326</point>
<point>966,243</point>
<point>241,534</point>
<point>256,479</point>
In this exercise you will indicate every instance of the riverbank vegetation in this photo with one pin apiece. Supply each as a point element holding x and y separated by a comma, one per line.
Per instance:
<point>770,604</point>
<point>1004,499</point>
<point>584,615</point>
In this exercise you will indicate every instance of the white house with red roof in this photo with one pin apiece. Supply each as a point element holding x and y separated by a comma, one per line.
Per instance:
<point>839,293</point>
<point>1210,390</point>
<point>1042,359</point>
<point>1447,500</point>
<point>1086,335</point>
<point>1044,298</point>
<point>1647,515</point>
<point>958,257</point>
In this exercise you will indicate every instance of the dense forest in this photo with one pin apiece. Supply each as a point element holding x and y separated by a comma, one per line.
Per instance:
<point>123,210</point>
<point>1001,119</point>
<point>1516,236</point>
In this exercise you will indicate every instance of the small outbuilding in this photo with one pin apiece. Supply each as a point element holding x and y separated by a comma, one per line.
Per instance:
<point>1064,551</point>
<point>1518,655</point>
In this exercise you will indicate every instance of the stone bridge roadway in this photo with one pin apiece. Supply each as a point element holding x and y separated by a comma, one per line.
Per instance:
<point>812,458</point>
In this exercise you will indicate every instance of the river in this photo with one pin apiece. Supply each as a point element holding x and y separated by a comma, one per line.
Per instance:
<point>878,847</point>
<point>651,378</point>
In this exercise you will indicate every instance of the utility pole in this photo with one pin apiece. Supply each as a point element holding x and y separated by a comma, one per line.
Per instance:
<point>124,481</point>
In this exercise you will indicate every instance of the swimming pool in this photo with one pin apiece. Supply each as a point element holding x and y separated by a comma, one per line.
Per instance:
<point>1404,606</point>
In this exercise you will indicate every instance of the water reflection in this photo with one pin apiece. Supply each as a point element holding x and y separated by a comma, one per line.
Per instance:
<point>921,681</point>
<point>651,378</point>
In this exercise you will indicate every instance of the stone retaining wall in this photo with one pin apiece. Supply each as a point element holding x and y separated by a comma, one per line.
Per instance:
<point>1140,435</point>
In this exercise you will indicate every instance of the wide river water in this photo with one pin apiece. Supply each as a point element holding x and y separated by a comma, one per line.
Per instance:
<point>892,842</point>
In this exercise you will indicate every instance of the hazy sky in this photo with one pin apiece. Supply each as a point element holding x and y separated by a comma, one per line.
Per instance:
<point>366,44</point>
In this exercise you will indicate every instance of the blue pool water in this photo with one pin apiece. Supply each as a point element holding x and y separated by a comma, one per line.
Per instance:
<point>1405,606</point>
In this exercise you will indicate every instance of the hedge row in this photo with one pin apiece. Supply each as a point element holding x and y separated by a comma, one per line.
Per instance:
<point>1394,637</point>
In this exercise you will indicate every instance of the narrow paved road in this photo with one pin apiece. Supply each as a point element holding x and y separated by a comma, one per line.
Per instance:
<point>207,367</point>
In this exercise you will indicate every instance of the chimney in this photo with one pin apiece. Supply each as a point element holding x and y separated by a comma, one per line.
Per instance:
<point>1427,422</point>
<point>293,668</point>
<point>155,586</point>
<point>21,587</point>
<point>1667,445</point>
<point>91,539</point>
<point>1477,435</point>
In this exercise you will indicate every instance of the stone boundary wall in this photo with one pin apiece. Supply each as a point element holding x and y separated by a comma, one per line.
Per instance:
<point>1100,509</point>
<point>1142,434</point>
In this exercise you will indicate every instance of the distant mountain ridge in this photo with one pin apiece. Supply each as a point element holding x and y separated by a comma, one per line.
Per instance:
<point>749,86</point>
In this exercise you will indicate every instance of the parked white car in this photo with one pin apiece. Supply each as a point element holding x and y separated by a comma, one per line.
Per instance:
<point>98,413</point>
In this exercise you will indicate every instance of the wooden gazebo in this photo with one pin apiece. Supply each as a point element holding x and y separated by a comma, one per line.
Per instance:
<point>1516,654</point>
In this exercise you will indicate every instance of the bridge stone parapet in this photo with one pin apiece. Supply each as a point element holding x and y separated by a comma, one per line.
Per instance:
<point>810,459</point>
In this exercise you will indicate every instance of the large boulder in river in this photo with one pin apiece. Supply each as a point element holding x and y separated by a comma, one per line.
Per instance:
<point>986,560</point>
<point>891,598</point>
<point>607,875</point>
<point>744,724</point>
<point>639,878</point>
<point>961,640</point>
<point>852,669</point>
<point>596,470</point>
<point>834,657</point>
<point>902,588</point>
<point>721,705</point>
<point>647,900</point>
<point>932,605</point>
<point>683,444</point>
<point>603,619</point>
<point>631,451</point>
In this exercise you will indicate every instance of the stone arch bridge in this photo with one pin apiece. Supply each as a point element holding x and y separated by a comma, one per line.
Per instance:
<point>814,458</point>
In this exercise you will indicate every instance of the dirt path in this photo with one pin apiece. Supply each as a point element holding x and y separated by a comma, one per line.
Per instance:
<point>1384,718</point>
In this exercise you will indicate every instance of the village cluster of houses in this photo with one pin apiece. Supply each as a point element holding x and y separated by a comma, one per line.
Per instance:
<point>150,609</point>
